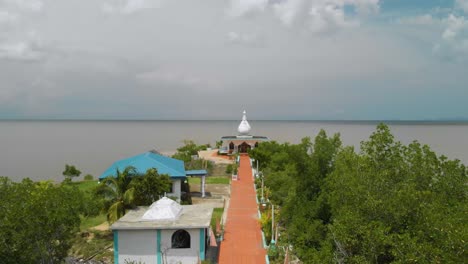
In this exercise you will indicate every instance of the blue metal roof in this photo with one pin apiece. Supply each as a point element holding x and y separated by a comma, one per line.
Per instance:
<point>196,172</point>
<point>165,165</point>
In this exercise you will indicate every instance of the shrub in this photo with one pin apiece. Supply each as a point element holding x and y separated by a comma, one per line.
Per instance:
<point>88,177</point>
<point>229,169</point>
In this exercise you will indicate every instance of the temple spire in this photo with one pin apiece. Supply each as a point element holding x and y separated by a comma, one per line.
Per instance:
<point>244,127</point>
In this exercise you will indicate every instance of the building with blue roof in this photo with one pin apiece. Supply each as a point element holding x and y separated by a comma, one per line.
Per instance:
<point>174,168</point>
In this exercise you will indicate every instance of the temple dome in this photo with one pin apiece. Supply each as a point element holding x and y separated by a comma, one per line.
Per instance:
<point>163,209</point>
<point>244,127</point>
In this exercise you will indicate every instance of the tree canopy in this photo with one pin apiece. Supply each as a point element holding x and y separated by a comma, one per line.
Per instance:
<point>37,221</point>
<point>117,193</point>
<point>188,151</point>
<point>129,189</point>
<point>387,203</point>
<point>70,172</point>
<point>149,187</point>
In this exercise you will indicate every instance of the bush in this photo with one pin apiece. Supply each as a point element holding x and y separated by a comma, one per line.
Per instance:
<point>229,169</point>
<point>88,177</point>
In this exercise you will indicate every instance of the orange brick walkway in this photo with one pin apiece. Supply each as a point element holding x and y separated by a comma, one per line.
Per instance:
<point>242,235</point>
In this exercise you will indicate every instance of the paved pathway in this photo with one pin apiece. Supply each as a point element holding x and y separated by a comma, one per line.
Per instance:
<point>242,235</point>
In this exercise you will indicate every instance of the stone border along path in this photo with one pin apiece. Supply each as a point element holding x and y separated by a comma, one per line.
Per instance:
<point>242,233</point>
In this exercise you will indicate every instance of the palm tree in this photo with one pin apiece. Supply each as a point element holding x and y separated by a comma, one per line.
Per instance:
<point>117,193</point>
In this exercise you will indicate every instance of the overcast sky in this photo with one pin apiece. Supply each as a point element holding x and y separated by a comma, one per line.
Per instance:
<point>211,59</point>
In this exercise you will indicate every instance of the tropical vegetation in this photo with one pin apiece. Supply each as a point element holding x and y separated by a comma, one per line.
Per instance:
<point>386,203</point>
<point>128,189</point>
<point>37,220</point>
<point>189,154</point>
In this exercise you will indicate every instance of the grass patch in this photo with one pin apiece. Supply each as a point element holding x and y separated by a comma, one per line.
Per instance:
<point>85,186</point>
<point>217,214</point>
<point>209,180</point>
<point>91,221</point>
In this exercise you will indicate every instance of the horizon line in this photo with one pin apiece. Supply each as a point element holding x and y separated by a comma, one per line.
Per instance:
<point>442,120</point>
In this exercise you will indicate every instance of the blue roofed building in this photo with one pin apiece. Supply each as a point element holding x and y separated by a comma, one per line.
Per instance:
<point>164,165</point>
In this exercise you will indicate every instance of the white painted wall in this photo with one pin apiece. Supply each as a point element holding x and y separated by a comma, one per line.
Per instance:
<point>180,255</point>
<point>137,245</point>
<point>140,245</point>
<point>176,189</point>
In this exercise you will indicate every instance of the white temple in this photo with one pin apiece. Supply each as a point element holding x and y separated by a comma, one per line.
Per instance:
<point>244,127</point>
<point>243,142</point>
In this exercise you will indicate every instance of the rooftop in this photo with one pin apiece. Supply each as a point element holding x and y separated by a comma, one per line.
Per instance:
<point>142,162</point>
<point>245,138</point>
<point>192,216</point>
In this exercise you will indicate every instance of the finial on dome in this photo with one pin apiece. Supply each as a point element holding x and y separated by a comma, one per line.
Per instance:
<point>244,127</point>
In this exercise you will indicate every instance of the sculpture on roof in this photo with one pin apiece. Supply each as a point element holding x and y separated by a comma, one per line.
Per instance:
<point>163,209</point>
<point>244,127</point>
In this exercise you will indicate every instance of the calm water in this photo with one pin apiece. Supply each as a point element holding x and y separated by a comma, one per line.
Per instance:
<point>40,149</point>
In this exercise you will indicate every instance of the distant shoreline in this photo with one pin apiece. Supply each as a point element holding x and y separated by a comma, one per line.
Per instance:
<point>403,122</point>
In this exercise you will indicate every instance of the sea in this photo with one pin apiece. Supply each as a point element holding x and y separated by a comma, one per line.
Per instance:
<point>39,150</point>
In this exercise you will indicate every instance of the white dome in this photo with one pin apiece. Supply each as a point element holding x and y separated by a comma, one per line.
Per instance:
<point>244,127</point>
<point>163,209</point>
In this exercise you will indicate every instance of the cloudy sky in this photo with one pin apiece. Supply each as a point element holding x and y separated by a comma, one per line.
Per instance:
<point>210,59</point>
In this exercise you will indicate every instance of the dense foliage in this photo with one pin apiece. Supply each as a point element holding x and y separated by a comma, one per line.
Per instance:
<point>129,189</point>
<point>389,203</point>
<point>37,221</point>
<point>149,187</point>
<point>189,154</point>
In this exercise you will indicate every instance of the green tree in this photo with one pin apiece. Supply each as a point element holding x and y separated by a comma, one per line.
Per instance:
<point>149,187</point>
<point>395,204</point>
<point>70,172</point>
<point>118,194</point>
<point>188,150</point>
<point>37,221</point>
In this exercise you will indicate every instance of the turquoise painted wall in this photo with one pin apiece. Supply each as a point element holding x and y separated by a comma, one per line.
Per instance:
<point>116,247</point>
<point>202,243</point>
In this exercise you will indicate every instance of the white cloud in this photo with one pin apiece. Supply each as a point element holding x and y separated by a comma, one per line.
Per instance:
<point>244,38</point>
<point>462,4</point>
<point>23,51</point>
<point>176,75</point>
<point>25,5</point>
<point>455,27</point>
<point>326,18</point>
<point>454,39</point>
<point>323,15</point>
<point>7,17</point>
<point>129,6</point>
<point>238,8</point>
<point>291,11</point>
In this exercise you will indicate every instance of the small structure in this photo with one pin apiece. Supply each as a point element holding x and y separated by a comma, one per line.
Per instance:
<point>165,232</point>
<point>243,142</point>
<point>164,165</point>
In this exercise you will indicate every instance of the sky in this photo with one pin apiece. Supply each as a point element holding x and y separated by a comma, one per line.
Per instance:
<point>211,59</point>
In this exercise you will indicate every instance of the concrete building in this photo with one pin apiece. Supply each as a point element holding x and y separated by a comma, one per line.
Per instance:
<point>164,165</point>
<point>243,142</point>
<point>165,232</point>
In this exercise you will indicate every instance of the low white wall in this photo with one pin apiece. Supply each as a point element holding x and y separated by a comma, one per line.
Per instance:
<point>180,255</point>
<point>141,246</point>
<point>137,245</point>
